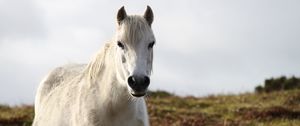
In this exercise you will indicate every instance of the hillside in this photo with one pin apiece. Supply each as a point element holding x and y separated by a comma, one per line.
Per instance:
<point>265,109</point>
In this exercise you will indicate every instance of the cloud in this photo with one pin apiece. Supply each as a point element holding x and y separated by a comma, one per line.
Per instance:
<point>210,47</point>
<point>203,47</point>
<point>20,19</point>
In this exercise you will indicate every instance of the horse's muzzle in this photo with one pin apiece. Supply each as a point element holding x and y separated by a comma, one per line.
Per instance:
<point>138,85</point>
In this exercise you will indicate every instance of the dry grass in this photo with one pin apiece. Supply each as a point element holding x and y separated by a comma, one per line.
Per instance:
<point>16,116</point>
<point>265,109</point>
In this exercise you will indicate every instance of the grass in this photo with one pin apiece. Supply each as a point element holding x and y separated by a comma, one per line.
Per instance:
<point>249,109</point>
<point>265,109</point>
<point>16,116</point>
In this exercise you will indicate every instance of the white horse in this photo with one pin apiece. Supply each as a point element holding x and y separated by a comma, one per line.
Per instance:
<point>109,90</point>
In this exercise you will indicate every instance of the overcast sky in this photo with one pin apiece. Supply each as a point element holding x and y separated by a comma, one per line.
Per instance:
<point>203,47</point>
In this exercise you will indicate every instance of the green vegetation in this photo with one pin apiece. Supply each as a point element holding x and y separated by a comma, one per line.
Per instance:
<point>280,83</point>
<point>280,108</point>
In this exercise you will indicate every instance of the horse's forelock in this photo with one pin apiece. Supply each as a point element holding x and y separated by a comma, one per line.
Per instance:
<point>135,28</point>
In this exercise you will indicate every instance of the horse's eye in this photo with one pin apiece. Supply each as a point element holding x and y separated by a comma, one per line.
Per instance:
<point>151,45</point>
<point>121,45</point>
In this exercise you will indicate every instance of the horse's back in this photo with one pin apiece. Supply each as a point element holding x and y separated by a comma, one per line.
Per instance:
<point>56,78</point>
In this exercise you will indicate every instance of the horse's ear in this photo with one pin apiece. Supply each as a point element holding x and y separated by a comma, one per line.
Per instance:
<point>149,15</point>
<point>121,15</point>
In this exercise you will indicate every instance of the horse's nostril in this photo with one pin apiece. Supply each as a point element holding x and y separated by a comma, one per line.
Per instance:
<point>146,81</point>
<point>131,81</point>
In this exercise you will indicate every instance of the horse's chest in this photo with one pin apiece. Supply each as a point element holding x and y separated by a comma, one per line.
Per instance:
<point>122,117</point>
<point>127,120</point>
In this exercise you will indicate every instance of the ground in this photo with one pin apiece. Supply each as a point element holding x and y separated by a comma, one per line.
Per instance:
<point>249,109</point>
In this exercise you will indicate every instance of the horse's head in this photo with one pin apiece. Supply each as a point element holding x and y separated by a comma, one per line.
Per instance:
<point>134,44</point>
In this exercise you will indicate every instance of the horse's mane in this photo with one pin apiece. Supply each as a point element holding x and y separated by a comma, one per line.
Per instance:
<point>94,67</point>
